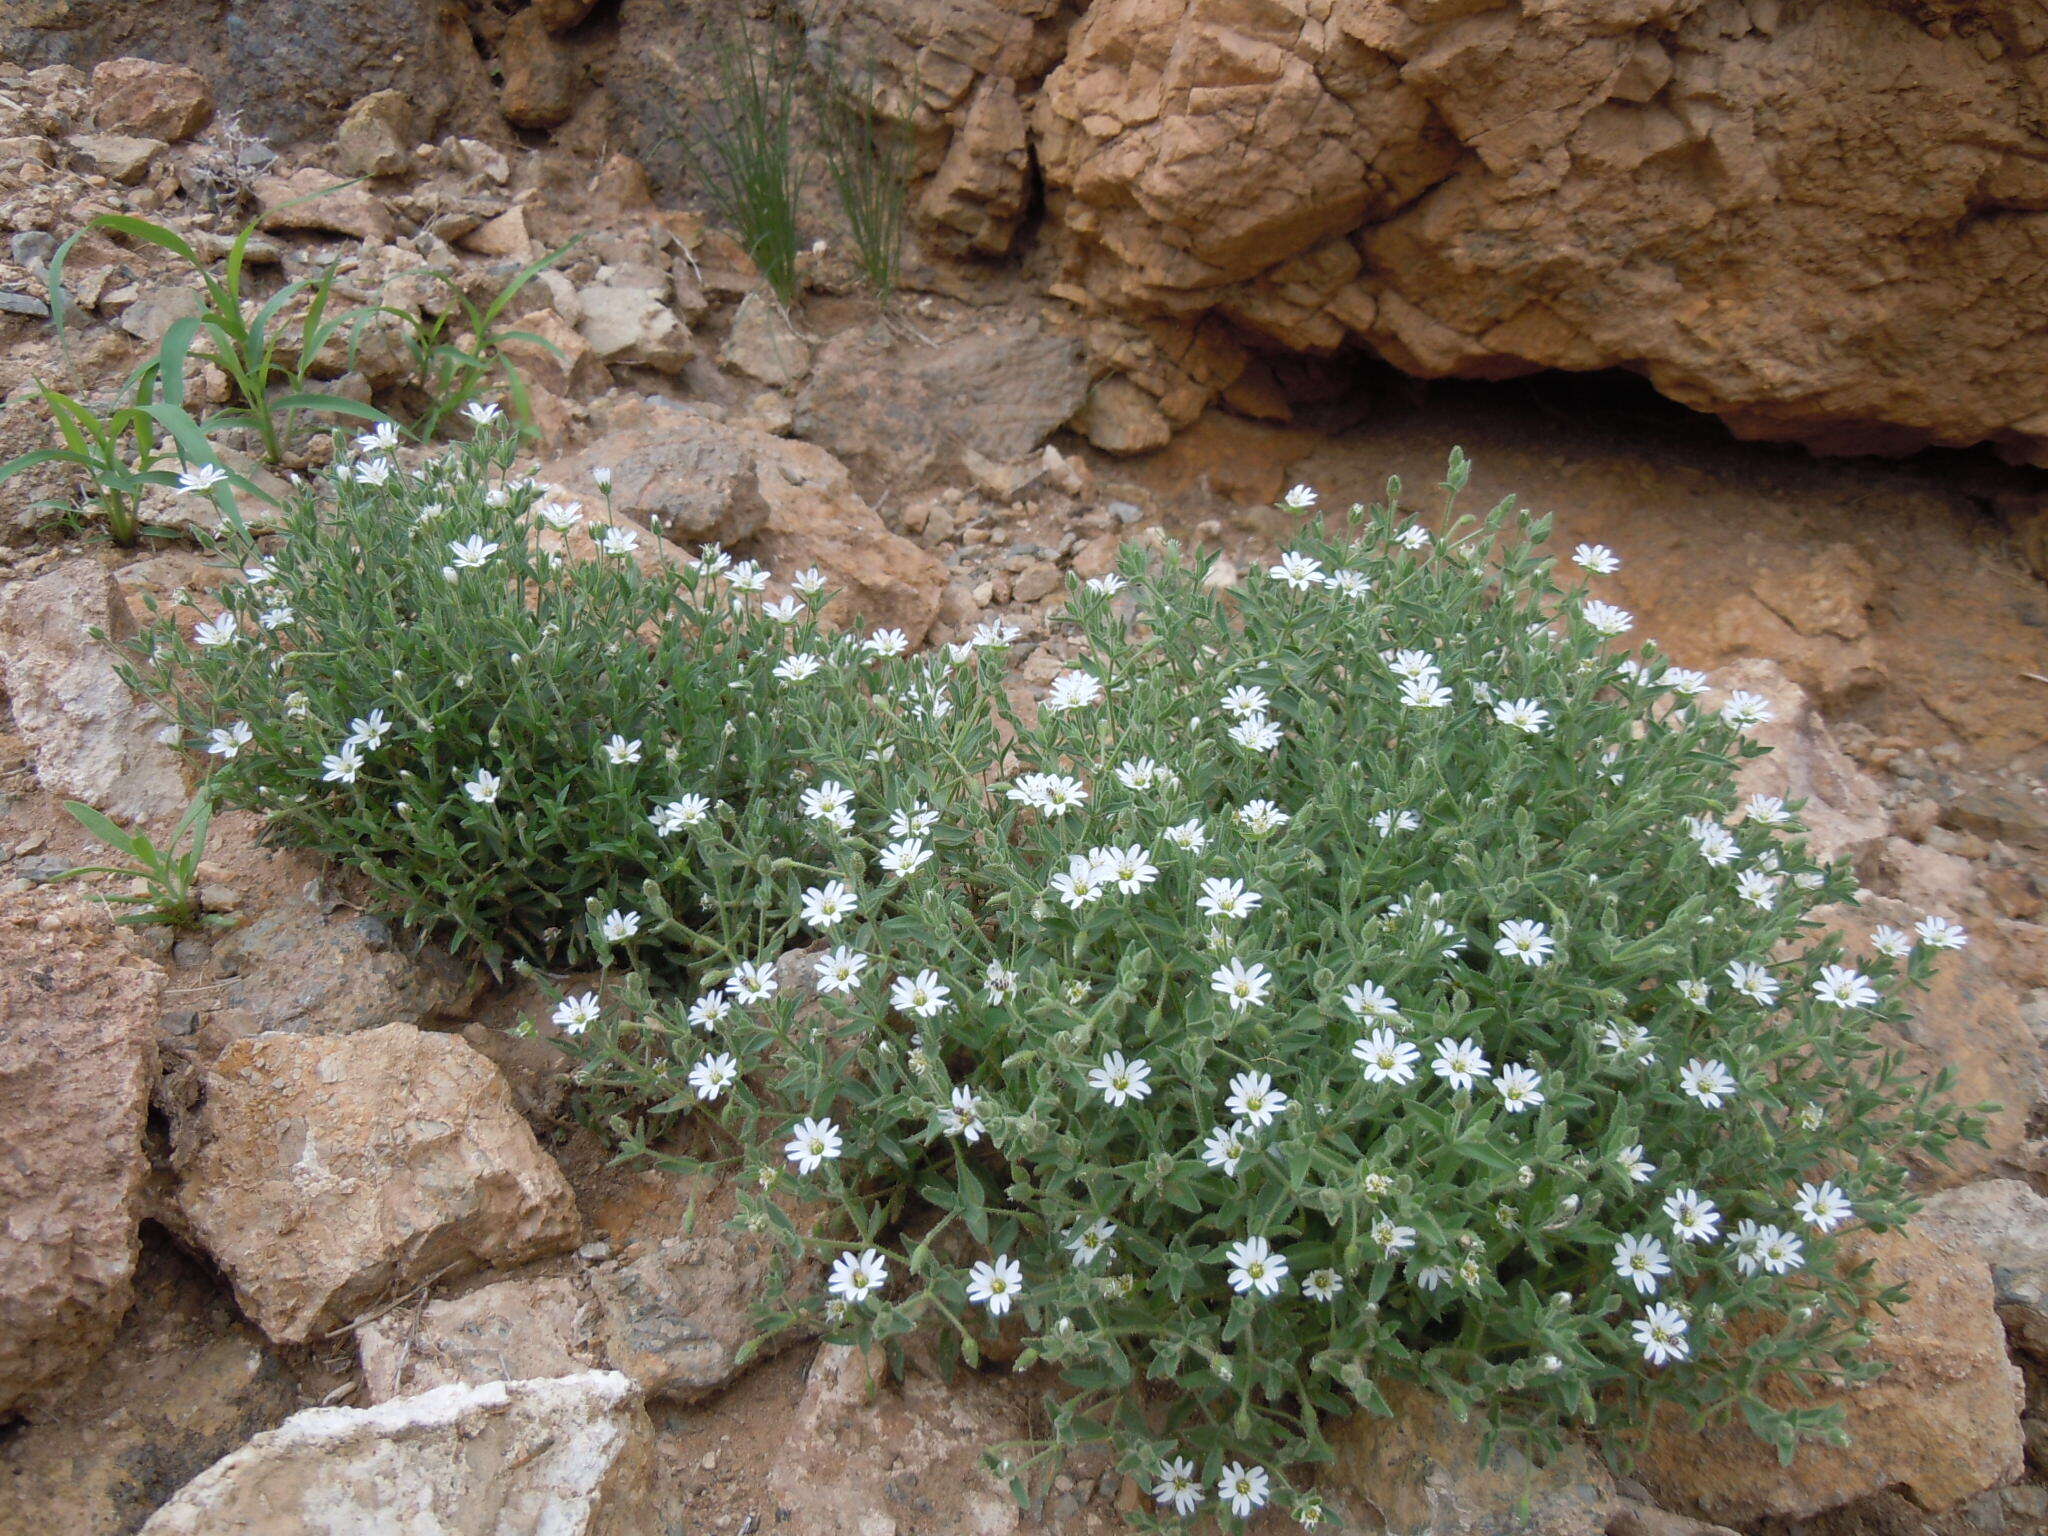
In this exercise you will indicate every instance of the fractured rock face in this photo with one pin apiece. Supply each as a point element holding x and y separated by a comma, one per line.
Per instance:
<point>570,1456</point>
<point>1705,194</point>
<point>78,1020</point>
<point>514,1330</point>
<point>325,1172</point>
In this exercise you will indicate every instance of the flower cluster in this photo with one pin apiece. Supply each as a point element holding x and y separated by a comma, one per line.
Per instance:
<point>1366,975</point>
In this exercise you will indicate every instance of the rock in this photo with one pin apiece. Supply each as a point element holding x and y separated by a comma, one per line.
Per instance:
<point>982,188</point>
<point>1486,191</point>
<point>1845,814</point>
<point>561,15</point>
<point>539,78</point>
<point>91,738</point>
<point>503,235</point>
<point>897,410</point>
<point>1632,1517</point>
<point>863,1456</point>
<point>513,1330</point>
<point>1422,1473</point>
<point>160,308</point>
<point>632,325</point>
<point>185,1381</point>
<point>880,579</point>
<point>565,365</point>
<point>569,1456</point>
<point>150,100</point>
<point>675,1316</point>
<point>77,1060</point>
<point>1942,1424</point>
<point>117,156</point>
<point>1968,1022</point>
<point>311,199</point>
<point>296,970</point>
<point>1119,417</point>
<point>377,136</point>
<point>764,345</point>
<point>1990,810</point>
<point>2006,1223</point>
<point>323,1173</point>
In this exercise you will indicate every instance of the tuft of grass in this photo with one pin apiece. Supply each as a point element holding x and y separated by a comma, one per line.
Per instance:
<point>743,149</point>
<point>867,159</point>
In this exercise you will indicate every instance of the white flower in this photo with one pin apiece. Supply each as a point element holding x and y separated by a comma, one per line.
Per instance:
<point>996,1284</point>
<point>812,1144</point>
<point>1526,941</point>
<point>1369,1000</point>
<point>483,786</point>
<point>1392,1238</point>
<point>1895,942</point>
<point>1411,666</point>
<point>1684,680</point>
<point>1243,1488</point>
<point>830,802</point>
<point>1640,1260</point>
<point>1425,693</point>
<point>1460,1063</point>
<point>962,1117</point>
<point>784,610</point>
<point>368,731</point>
<point>342,765</point>
<point>1433,1277</point>
<point>1242,986</point>
<point>1255,1267</point>
<point>885,642</point>
<point>1606,619</point>
<point>1227,898</point>
<point>751,982</point>
<point>994,635</point>
<point>1224,1148</point>
<point>1387,1058</point>
<point>1190,835</point>
<point>575,1014</point>
<point>795,669</point>
<point>922,996</point>
<point>1297,572</point>
<point>619,752</point>
<point>1352,584</point>
<point>1177,1486</point>
<point>1746,709</point>
<point>1844,988</point>
<point>1050,794</point>
<point>1414,536</point>
<point>1387,823</point>
<point>1717,845</point>
<point>1244,701</point>
<point>858,1276</point>
<point>685,811</point>
<point>1142,773</point>
<point>1118,1080</point>
<point>1940,933</point>
<point>999,984</point>
<point>710,1011</point>
<point>1822,1206</point>
<point>227,741</point>
<point>1519,1088</point>
<point>1767,809</point>
<point>1073,690</point>
<point>1256,734</point>
<point>275,618</point>
<point>1083,881</point>
<point>471,553</point>
<point>618,542</point>
<point>618,926</point>
<point>1631,1161</point>
<point>904,857</point>
<point>601,477</point>
<point>197,482</point>
<point>712,1076</point>
<point>747,576</point>
<point>839,970</point>
<point>829,905</point>
<point>1523,714</point>
<point>1694,991</point>
<point>1089,1243</point>
<point>1708,1081</point>
<point>1627,1040</point>
<point>1322,1284</point>
<point>1693,1217</point>
<point>1299,498</point>
<point>1597,558</point>
<point>1108,584</point>
<point>1661,1331</point>
<point>1130,867</point>
<point>1260,817</point>
<point>1753,981</point>
<point>216,632</point>
<point>1254,1100</point>
<point>1757,888</point>
<point>1768,1248</point>
<point>482,412</point>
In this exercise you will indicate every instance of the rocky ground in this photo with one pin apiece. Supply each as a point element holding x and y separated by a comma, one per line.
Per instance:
<point>235,1284</point>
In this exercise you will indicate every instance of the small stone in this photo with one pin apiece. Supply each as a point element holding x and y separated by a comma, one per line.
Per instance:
<point>311,199</point>
<point>1038,580</point>
<point>764,345</point>
<point>149,99</point>
<point>162,307</point>
<point>633,325</point>
<point>378,136</point>
<point>504,235</point>
<point>117,156</point>
<point>539,89</point>
<point>1119,417</point>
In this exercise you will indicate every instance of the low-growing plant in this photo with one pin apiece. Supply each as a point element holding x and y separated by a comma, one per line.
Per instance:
<point>1366,976</point>
<point>120,454</point>
<point>412,680</point>
<point>742,148</point>
<point>867,159</point>
<point>169,874</point>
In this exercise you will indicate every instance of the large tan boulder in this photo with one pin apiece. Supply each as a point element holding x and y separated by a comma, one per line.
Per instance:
<point>568,1456</point>
<point>92,739</point>
<point>1707,194</point>
<point>78,1016</point>
<point>149,99</point>
<point>1942,1424</point>
<point>324,1173</point>
<point>2005,1223</point>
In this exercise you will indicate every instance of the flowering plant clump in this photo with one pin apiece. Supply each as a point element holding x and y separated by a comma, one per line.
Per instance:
<point>1369,975</point>
<point>415,680</point>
